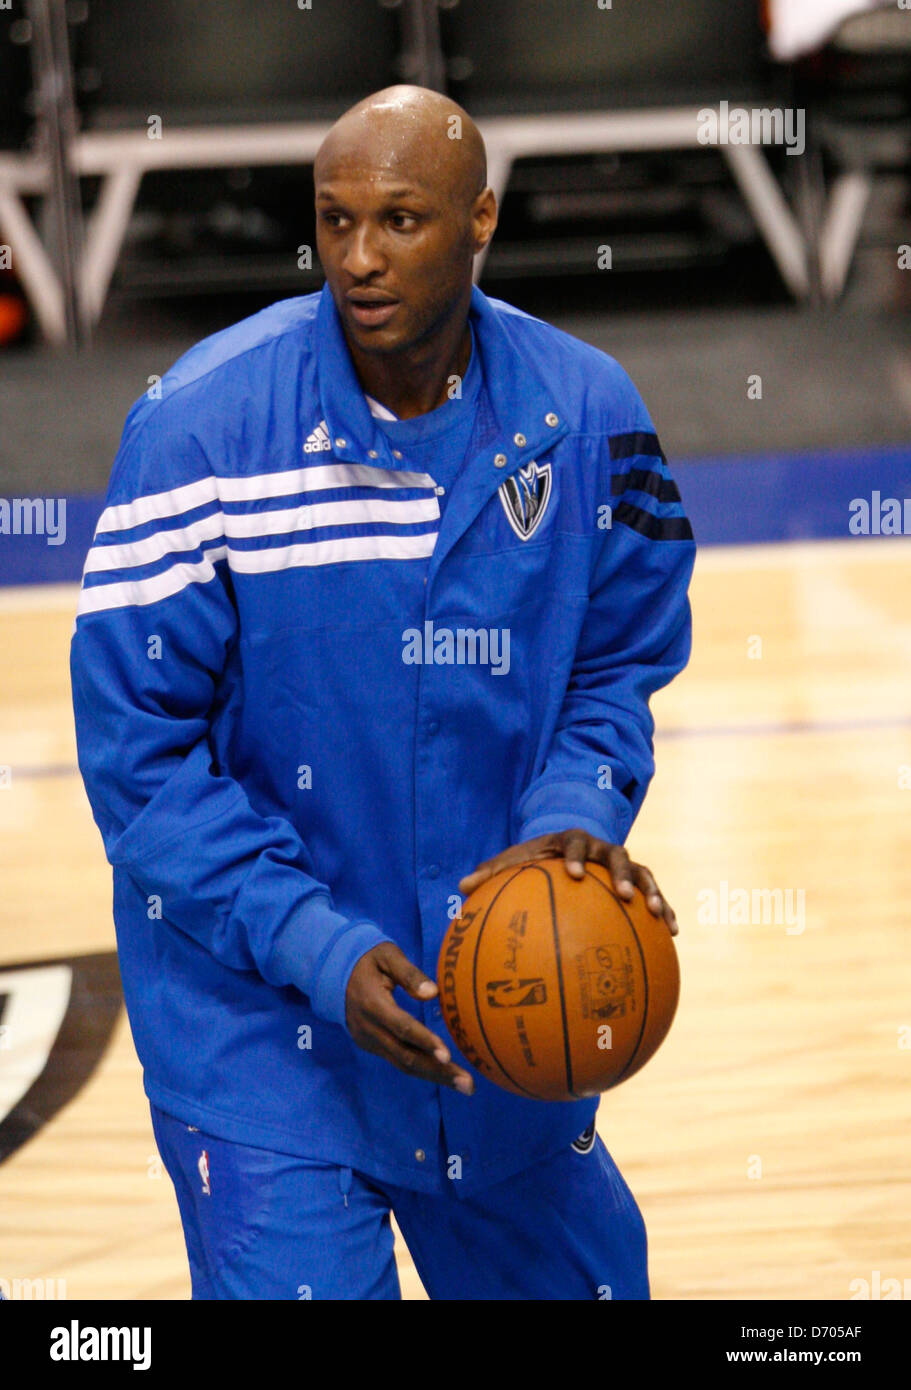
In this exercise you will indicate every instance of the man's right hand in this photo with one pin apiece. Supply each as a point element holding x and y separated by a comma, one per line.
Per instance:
<point>378,1025</point>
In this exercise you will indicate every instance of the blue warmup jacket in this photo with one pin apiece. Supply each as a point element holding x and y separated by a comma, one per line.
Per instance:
<point>306,706</point>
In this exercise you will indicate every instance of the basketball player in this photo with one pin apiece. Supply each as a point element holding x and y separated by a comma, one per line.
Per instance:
<point>386,577</point>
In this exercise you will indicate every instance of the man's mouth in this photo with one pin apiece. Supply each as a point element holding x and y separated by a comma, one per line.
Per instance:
<point>370,310</point>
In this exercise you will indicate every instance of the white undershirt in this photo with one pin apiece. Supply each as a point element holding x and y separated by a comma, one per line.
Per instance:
<point>379,412</point>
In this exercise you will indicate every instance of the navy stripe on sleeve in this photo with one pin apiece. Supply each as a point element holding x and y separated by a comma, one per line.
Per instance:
<point>645,480</point>
<point>657,528</point>
<point>627,446</point>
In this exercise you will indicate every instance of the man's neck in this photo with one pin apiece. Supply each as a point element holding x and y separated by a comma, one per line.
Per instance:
<point>414,383</point>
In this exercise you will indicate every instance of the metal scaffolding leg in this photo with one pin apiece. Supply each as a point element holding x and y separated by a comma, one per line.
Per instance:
<point>841,229</point>
<point>773,216</point>
<point>32,265</point>
<point>107,227</point>
<point>57,131</point>
<point>422,55</point>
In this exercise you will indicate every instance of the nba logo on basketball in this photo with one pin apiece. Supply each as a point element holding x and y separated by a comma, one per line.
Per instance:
<point>203,1167</point>
<point>513,994</point>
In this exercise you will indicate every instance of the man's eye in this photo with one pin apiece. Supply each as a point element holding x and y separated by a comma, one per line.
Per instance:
<point>403,218</point>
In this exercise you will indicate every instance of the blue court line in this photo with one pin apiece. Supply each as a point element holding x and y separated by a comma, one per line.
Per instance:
<point>787,497</point>
<point>733,500</point>
<point>770,730</point>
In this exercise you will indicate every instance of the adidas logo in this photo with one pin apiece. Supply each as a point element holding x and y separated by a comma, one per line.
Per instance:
<point>318,441</point>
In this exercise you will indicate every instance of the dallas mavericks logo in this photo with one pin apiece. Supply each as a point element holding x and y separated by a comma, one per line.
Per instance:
<point>525,498</point>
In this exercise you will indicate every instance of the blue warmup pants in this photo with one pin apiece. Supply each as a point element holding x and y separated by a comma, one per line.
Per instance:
<point>262,1225</point>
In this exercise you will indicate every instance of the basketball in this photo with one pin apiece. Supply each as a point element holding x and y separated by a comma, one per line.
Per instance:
<point>555,987</point>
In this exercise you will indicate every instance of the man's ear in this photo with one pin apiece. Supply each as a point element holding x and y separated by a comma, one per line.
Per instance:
<point>484,218</point>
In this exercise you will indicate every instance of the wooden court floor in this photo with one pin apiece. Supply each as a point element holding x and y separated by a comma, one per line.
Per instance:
<point>768,1142</point>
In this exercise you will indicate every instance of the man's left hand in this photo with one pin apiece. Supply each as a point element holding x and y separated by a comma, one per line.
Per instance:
<point>574,847</point>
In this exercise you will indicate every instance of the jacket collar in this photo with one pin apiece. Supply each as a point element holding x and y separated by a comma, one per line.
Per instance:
<point>530,417</point>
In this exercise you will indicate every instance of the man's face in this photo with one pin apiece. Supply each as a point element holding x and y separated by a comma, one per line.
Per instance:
<point>396,250</point>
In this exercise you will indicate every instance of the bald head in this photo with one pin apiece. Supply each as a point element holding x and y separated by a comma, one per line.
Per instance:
<point>413,134</point>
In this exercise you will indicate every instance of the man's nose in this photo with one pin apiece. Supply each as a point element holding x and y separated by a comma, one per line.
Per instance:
<point>362,256</point>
